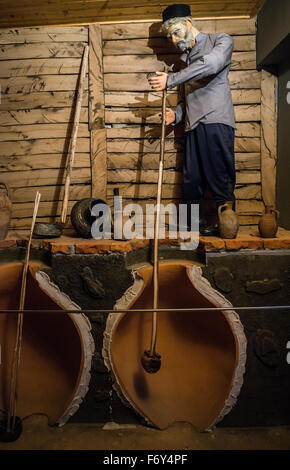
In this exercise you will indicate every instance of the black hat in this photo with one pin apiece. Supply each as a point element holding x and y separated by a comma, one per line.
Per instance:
<point>176,11</point>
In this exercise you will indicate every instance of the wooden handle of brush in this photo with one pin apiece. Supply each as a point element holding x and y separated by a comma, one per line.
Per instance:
<point>18,341</point>
<point>156,226</point>
<point>74,134</point>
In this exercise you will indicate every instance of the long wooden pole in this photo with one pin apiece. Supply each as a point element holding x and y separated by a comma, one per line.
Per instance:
<point>18,341</point>
<point>74,135</point>
<point>156,228</point>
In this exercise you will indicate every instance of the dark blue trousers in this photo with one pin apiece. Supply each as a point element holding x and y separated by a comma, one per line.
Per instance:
<point>209,161</point>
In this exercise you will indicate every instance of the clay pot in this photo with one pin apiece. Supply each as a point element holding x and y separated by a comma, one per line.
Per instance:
<point>81,217</point>
<point>5,211</point>
<point>268,223</point>
<point>228,221</point>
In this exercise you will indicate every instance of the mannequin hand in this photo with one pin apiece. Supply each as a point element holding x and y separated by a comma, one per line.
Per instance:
<point>169,116</point>
<point>158,83</point>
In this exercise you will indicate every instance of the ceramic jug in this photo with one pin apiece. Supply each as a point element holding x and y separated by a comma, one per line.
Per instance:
<point>268,223</point>
<point>5,211</point>
<point>228,221</point>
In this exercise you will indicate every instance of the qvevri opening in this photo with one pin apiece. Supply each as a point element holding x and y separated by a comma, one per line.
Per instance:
<point>203,353</point>
<point>56,348</point>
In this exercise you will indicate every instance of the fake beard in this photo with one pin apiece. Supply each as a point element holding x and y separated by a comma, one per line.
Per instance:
<point>187,42</point>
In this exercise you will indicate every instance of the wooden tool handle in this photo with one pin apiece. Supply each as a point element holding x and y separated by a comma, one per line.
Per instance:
<point>156,226</point>
<point>74,134</point>
<point>18,341</point>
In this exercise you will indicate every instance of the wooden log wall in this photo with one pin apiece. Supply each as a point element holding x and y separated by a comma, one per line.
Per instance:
<point>60,12</point>
<point>39,70</point>
<point>132,113</point>
<point>119,133</point>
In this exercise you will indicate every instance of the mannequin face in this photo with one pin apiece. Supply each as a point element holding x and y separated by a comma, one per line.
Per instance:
<point>181,35</point>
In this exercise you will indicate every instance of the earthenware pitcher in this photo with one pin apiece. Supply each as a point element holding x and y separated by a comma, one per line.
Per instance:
<point>268,223</point>
<point>5,211</point>
<point>228,221</point>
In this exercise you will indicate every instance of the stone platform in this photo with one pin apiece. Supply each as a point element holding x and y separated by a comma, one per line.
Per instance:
<point>70,243</point>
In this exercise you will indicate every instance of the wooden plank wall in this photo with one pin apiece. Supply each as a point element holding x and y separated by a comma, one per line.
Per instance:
<point>60,12</point>
<point>132,113</point>
<point>39,69</point>
<point>269,111</point>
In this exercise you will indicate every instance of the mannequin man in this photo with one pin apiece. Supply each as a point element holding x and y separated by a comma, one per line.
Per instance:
<point>205,104</point>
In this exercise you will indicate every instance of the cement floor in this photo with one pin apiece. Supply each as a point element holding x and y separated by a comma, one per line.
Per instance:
<point>37,435</point>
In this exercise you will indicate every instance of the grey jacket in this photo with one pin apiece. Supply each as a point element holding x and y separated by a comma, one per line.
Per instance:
<point>204,92</point>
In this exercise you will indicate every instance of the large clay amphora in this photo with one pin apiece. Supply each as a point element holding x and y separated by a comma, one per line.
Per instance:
<point>5,211</point>
<point>268,223</point>
<point>228,221</point>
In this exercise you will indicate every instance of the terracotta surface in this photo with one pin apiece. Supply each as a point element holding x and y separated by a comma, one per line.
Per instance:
<point>200,352</point>
<point>52,350</point>
<point>69,242</point>
<point>244,242</point>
